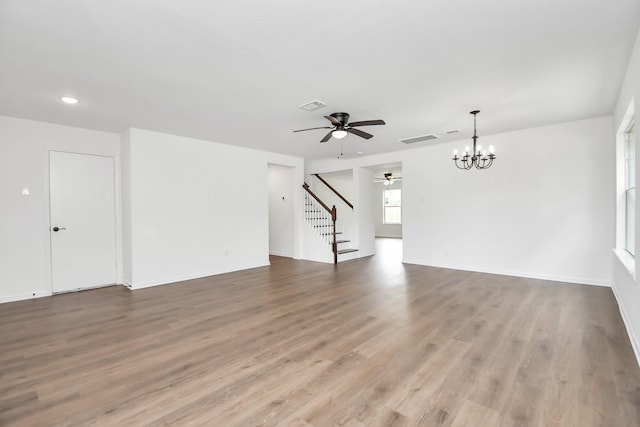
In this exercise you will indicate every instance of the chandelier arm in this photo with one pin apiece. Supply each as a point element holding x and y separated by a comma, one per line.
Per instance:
<point>468,165</point>
<point>458,166</point>
<point>464,164</point>
<point>486,164</point>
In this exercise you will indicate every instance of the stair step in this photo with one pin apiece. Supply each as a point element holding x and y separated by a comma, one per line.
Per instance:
<point>343,241</point>
<point>328,234</point>
<point>346,251</point>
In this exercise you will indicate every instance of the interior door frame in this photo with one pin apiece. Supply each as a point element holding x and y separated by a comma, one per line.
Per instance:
<point>291,191</point>
<point>117,182</point>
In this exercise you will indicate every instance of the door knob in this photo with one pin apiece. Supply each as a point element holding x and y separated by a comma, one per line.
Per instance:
<point>56,229</point>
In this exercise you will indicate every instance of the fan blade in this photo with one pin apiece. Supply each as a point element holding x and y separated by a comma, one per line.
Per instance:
<point>368,123</point>
<point>360,133</point>
<point>333,120</point>
<point>326,137</point>
<point>323,127</point>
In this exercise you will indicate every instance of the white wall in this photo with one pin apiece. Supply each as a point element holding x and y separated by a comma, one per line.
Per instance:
<point>185,208</point>
<point>364,212</point>
<point>198,208</point>
<point>127,246</point>
<point>25,263</point>
<point>625,284</point>
<point>543,210</point>
<point>343,183</point>
<point>281,223</point>
<point>382,229</point>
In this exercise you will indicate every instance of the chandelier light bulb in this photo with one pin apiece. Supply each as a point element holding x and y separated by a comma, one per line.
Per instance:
<point>455,152</point>
<point>491,149</point>
<point>466,149</point>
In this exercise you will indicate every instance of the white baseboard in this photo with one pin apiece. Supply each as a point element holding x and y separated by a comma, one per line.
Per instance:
<point>633,337</point>
<point>169,280</point>
<point>528,275</point>
<point>25,296</point>
<point>282,254</point>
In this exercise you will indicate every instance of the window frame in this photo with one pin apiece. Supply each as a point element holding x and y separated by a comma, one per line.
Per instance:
<point>629,188</point>
<point>385,206</point>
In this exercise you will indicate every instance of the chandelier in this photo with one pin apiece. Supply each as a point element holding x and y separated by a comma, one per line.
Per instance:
<point>477,158</point>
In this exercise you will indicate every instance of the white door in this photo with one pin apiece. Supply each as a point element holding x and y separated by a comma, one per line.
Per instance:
<point>82,221</point>
<point>280,183</point>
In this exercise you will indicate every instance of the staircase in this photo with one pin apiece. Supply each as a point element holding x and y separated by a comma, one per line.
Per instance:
<point>331,227</point>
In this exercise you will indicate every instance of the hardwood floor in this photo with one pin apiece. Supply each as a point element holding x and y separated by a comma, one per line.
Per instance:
<point>370,342</point>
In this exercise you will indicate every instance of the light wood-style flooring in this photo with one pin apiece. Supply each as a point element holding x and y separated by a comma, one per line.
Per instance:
<point>371,342</point>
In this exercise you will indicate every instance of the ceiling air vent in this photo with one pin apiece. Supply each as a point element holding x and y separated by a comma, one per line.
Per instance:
<point>312,106</point>
<point>418,139</point>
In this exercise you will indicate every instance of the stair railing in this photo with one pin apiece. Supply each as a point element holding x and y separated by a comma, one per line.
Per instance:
<point>336,192</point>
<point>331,196</point>
<point>321,217</point>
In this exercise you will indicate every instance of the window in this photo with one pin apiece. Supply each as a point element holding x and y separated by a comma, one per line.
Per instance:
<point>392,207</point>
<point>630,189</point>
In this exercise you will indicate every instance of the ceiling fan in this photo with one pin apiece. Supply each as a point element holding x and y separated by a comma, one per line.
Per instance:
<point>341,127</point>
<point>388,178</point>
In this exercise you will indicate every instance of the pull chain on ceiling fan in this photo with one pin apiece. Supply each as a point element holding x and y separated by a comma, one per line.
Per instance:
<point>341,127</point>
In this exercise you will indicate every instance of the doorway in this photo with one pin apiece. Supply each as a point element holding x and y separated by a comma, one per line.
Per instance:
<point>387,181</point>
<point>82,222</point>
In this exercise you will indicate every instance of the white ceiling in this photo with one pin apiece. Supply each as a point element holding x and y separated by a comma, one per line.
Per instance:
<point>236,71</point>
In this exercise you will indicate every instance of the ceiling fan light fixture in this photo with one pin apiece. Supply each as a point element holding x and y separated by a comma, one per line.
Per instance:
<point>340,127</point>
<point>339,133</point>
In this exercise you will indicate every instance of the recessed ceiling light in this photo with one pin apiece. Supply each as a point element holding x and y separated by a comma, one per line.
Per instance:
<point>69,100</point>
<point>359,153</point>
